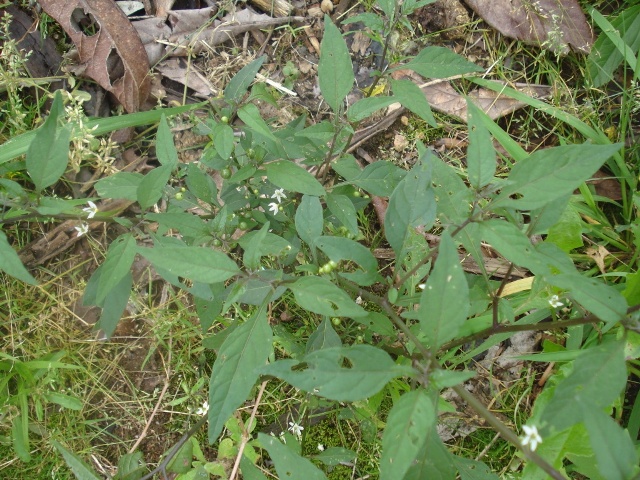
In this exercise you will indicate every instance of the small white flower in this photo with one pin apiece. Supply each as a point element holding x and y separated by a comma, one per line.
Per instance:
<point>203,409</point>
<point>273,207</point>
<point>555,302</point>
<point>82,229</point>
<point>321,447</point>
<point>296,429</point>
<point>359,300</point>
<point>531,437</point>
<point>91,210</point>
<point>422,286</point>
<point>283,439</point>
<point>279,195</point>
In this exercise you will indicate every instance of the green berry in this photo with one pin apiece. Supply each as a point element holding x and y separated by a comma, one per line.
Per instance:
<point>243,225</point>
<point>336,321</point>
<point>217,242</point>
<point>225,173</point>
<point>224,119</point>
<point>179,196</point>
<point>357,193</point>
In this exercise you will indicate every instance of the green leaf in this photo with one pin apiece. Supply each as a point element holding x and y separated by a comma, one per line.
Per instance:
<point>80,469</point>
<point>131,466</point>
<point>183,459</point>
<point>615,453</point>
<point>165,149</point>
<point>66,401</point>
<point>242,80</point>
<point>403,438</point>
<point>120,185</point>
<point>340,248</point>
<point>413,99</point>
<point>319,295</point>
<point>324,337</point>
<point>323,372</point>
<point>411,204</point>
<point>292,177</point>
<point>188,224</point>
<point>481,156</point>
<point>335,72</point>
<point>473,469</point>
<point>199,264</point>
<point>440,62</point>
<point>333,456</point>
<point>343,209</point>
<point>552,173</point>
<point>566,233</point>
<point>598,377</point>
<point>201,185</point>
<point>223,140</point>
<point>287,462</point>
<point>151,186</point>
<point>250,115</point>
<point>388,7</point>
<point>116,266</point>
<point>444,302</point>
<point>48,153</point>
<point>365,107</point>
<point>253,249</point>
<point>114,305</point>
<point>249,470</point>
<point>234,372</point>
<point>10,262</point>
<point>604,301</point>
<point>20,436</point>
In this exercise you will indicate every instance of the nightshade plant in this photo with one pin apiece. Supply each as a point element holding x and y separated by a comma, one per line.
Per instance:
<point>274,229</point>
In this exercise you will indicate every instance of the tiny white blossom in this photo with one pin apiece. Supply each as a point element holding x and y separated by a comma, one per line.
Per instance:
<point>203,409</point>
<point>321,447</point>
<point>296,429</point>
<point>91,210</point>
<point>279,195</point>
<point>82,229</point>
<point>273,207</point>
<point>555,302</point>
<point>283,439</point>
<point>359,300</point>
<point>422,286</point>
<point>531,437</point>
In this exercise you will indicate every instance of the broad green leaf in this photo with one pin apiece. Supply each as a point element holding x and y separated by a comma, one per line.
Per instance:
<point>403,438</point>
<point>20,436</point>
<point>11,264</point>
<point>114,305</point>
<point>481,156</point>
<point>201,185</point>
<point>411,204</point>
<point>514,245</point>
<point>433,461</point>
<point>120,185</point>
<point>242,80</point>
<point>541,219</point>
<point>289,465</point>
<point>551,173</point>
<point>199,264</point>
<point>335,72</point>
<point>604,301</point>
<point>250,115</point>
<point>380,178</point>
<point>365,107</point>
<point>234,372</point>
<point>333,456</point>
<point>253,249</point>
<point>183,459</point>
<point>566,233</point>
<point>319,295</point>
<point>80,469</point>
<point>440,62</point>
<point>388,7</point>
<point>270,244</point>
<point>66,401</point>
<point>324,373</point>
<point>340,248</point>
<point>444,302</point>
<point>48,154</point>
<point>473,469</point>
<point>598,377</point>
<point>308,219</point>
<point>152,185</point>
<point>116,266</point>
<point>343,209</point>
<point>189,225</point>
<point>413,99</point>
<point>292,177</point>
<point>223,140</point>
<point>615,453</point>
<point>131,466</point>
<point>165,148</point>
<point>324,337</point>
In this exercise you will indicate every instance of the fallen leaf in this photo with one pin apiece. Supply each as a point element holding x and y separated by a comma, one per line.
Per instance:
<point>598,254</point>
<point>108,47</point>
<point>178,70</point>
<point>606,185</point>
<point>557,25</point>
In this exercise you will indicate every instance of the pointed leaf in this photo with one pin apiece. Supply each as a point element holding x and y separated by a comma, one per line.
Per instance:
<point>20,436</point>
<point>80,469</point>
<point>165,148</point>
<point>242,80</point>
<point>288,175</point>
<point>116,266</point>
<point>289,465</point>
<point>440,62</point>
<point>324,337</point>
<point>320,296</point>
<point>114,305</point>
<point>234,372</point>
<point>413,99</point>
<point>11,264</point>
<point>335,72</point>
<point>250,115</point>
<point>343,209</point>
<point>340,248</point>
<point>365,107</point>
<point>309,222</point>
<point>120,185</point>
<point>152,185</point>
<point>481,156</point>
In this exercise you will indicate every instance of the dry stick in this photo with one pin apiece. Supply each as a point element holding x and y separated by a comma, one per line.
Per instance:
<point>162,393</point>
<point>245,433</point>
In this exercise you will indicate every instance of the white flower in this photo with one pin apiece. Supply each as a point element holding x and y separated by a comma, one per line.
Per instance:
<point>321,447</point>
<point>91,210</point>
<point>555,302</point>
<point>531,437</point>
<point>359,300</point>
<point>296,429</point>
<point>279,195</point>
<point>273,207</point>
<point>422,286</point>
<point>82,229</point>
<point>203,409</point>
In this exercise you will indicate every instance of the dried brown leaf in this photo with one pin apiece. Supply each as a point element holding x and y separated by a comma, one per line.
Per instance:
<point>557,25</point>
<point>114,55</point>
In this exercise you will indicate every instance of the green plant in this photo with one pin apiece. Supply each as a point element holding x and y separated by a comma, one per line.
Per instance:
<point>274,234</point>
